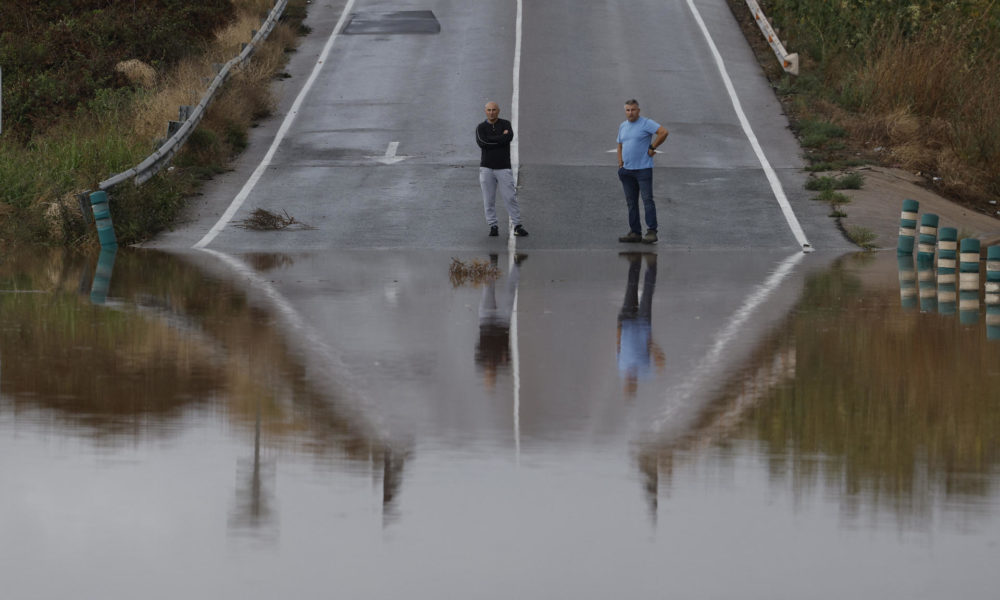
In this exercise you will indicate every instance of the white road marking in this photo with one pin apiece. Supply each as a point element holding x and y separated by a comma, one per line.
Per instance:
<point>772,177</point>
<point>390,157</point>
<point>282,132</point>
<point>616,150</point>
<point>708,367</point>
<point>511,243</point>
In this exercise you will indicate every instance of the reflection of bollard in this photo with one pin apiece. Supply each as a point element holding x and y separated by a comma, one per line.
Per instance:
<point>946,296</point>
<point>992,299</point>
<point>102,215</point>
<point>907,282</point>
<point>907,226</point>
<point>102,275</point>
<point>993,321</point>
<point>968,281</point>
<point>928,237</point>
<point>927,286</point>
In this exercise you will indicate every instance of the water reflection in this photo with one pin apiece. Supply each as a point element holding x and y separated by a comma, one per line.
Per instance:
<point>816,392</point>
<point>857,394</point>
<point>493,346</point>
<point>154,342</point>
<point>636,350</point>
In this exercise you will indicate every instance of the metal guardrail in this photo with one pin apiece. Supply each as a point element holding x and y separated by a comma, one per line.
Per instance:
<point>789,62</point>
<point>161,156</point>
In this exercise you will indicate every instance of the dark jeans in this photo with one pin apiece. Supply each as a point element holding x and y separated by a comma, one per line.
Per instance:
<point>635,182</point>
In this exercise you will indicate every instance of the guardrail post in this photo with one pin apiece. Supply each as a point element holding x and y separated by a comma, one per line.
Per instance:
<point>907,226</point>
<point>184,113</point>
<point>84,200</point>
<point>102,216</point>
<point>968,281</point>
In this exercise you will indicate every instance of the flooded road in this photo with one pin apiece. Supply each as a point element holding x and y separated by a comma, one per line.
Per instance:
<point>556,424</point>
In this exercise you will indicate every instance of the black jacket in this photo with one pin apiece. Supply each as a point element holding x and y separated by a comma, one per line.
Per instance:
<point>495,143</point>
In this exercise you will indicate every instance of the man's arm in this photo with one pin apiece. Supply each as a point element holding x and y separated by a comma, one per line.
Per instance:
<point>661,135</point>
<point>484,139</point>
<point>621,161</point>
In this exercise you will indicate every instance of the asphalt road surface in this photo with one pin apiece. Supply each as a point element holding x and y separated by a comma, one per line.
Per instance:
<point>380,163</point>
<point>380,152</point>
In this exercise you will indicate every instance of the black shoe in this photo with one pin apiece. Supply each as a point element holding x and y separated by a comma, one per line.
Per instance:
<point>520,258</point>
<point>630,238</point>
<point>494,231</point>
<point>520,231</point>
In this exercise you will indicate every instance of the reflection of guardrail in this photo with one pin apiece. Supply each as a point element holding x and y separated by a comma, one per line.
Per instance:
<point>789,62</point>
<point>161,157</point>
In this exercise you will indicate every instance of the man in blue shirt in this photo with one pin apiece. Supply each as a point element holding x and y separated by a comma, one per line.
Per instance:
<point>636,149</point>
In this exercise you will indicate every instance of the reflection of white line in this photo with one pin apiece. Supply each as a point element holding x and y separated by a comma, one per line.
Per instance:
<point>282,132</point>
<point>511,244</point>
<point>515,359</point>
<point>708,366</point>
<point>292,317</point>
<point>772,177</point>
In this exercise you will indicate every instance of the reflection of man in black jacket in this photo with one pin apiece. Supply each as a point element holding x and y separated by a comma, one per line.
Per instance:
<point>493,348</point>
<point>494,136</point>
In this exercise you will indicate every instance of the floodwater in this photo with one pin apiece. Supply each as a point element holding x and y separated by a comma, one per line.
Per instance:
<point>376,425</point>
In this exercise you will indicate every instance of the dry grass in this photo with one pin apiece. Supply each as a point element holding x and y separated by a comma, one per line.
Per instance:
<point>137,72</point>
<point>246,97</point>
<point>936,106</point>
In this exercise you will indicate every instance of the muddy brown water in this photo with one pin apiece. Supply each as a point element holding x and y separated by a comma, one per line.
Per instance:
<point>367,426</point>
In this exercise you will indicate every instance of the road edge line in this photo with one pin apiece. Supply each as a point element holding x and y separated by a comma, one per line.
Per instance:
<point>286,124</point>
<point>772,177</point>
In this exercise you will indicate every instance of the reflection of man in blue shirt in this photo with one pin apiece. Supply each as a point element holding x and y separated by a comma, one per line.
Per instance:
<point>636,348</point>
<point>638,139</point>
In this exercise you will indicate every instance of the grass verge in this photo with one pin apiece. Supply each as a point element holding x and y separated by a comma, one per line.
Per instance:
<point>41,170</point>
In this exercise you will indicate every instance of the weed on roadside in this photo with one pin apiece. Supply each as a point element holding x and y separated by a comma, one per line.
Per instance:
<point>862,236</point>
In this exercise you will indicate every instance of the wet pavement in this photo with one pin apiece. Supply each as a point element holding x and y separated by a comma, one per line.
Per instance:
<point>379,424</point>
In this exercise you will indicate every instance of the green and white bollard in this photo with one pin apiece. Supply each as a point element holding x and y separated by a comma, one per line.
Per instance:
<point>907,282</point>
<point>968,281</point>
<point>927,239</point>
<point>907,226</point>
<point>102,217</point>
<point>947,260</point>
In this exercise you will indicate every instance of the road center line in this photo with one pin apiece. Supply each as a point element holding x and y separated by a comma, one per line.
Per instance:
<point>282,132</point>
<point>772,177</point>
<point>515,98</point>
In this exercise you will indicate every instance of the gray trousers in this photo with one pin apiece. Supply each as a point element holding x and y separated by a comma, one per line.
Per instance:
<point>489,179</point>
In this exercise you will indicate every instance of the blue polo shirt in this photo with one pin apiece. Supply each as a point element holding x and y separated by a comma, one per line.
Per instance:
<point>635,138</point>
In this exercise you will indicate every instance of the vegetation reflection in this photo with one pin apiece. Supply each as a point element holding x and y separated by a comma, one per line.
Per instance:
<point>892,408</point>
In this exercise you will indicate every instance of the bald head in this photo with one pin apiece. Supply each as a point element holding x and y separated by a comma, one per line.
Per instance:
<point>492,111</point>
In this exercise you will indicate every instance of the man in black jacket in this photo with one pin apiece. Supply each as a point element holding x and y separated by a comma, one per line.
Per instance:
<point>494,136</point>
